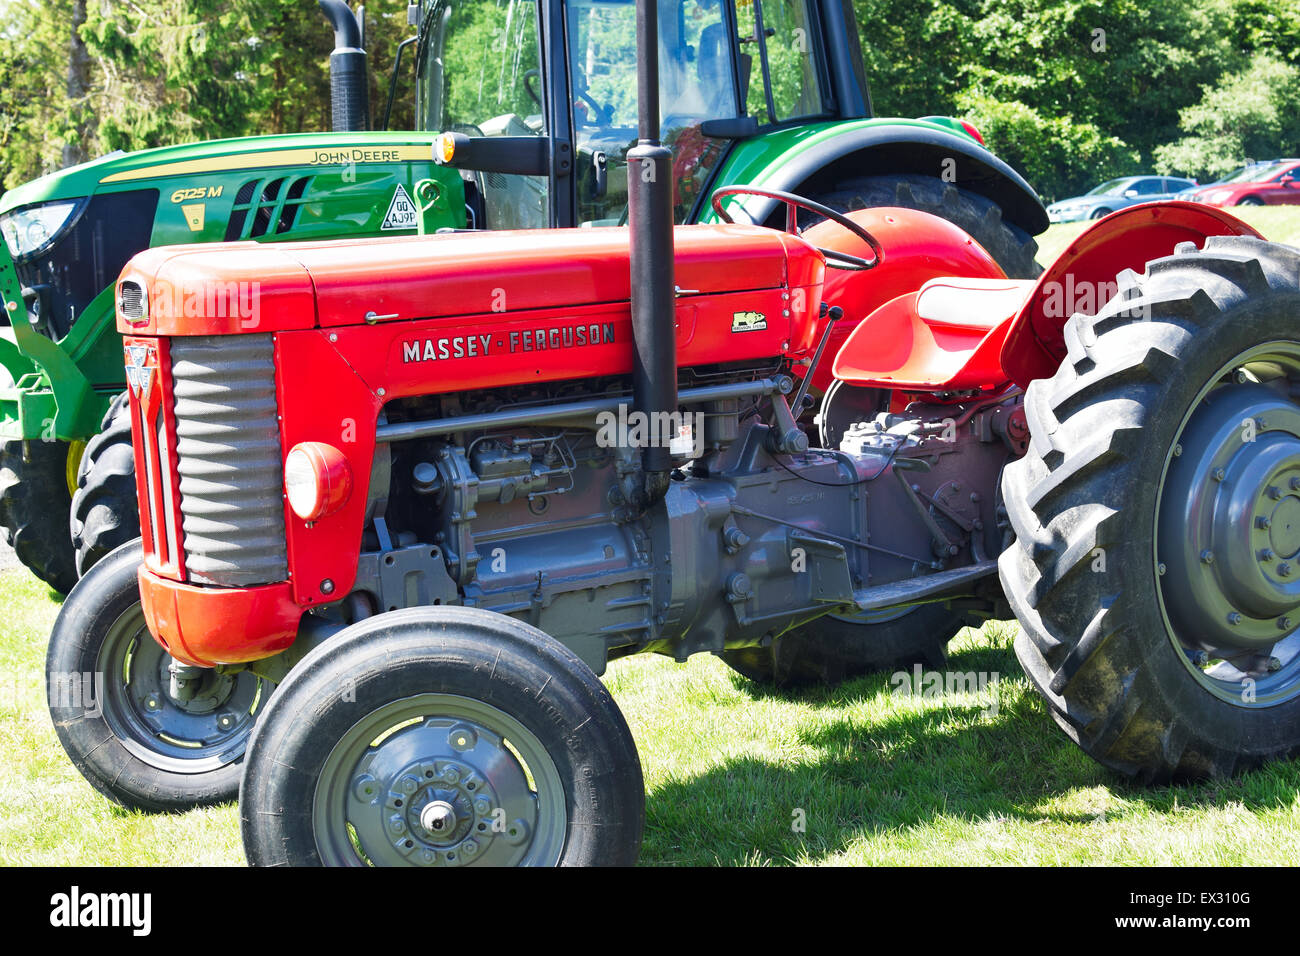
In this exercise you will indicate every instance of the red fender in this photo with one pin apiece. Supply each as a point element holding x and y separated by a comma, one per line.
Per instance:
<point>917,247</point>
<point>1083,278</point>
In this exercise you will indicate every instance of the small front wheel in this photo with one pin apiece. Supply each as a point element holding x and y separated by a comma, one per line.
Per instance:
<point>442,737</point>
<point>141,735</point>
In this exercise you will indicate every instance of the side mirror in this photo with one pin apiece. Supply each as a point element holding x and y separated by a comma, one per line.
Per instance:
<point>1130,193</point>
<point>1287,180</point>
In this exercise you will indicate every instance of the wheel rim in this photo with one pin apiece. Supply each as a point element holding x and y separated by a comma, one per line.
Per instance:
<point>72,467</point>
<point>1228,531</point>
<point>439,780</point>
<point>198,735</point>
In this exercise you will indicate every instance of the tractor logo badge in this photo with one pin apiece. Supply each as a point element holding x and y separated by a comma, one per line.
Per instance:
<point>141,363</point>
<point>194,216</point>
<point>401,211</point>
<point>748,322</point>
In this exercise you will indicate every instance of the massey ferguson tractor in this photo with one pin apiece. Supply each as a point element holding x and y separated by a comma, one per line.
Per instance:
<point>398,521</point>
<point>541,95</point>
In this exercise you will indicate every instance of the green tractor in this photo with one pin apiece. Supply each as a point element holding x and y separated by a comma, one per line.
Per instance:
<point>536,104</point>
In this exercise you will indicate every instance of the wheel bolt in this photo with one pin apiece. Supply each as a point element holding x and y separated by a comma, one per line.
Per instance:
<point>1295,484</point>
<point>1220,474</point>
<point>1266,555</point>
<point>1161,569</point>
<point>1284,569</point>
<point>1200,659</point>
<point>151,702</point>
<point>1207,557</point>
<point>1274,492</point>
<point>1284,623</point>
<point>1262,522</point>
<point>1178,451</point>
<point>1274,665</point>
<point>1234,617</point>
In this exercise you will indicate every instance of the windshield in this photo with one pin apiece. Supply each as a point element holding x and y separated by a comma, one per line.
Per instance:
<point>1114,187</point>
<point>480,74</point>
<point>696,83</point>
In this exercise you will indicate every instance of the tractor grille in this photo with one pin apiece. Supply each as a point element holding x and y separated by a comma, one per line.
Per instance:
<point>229,461</point>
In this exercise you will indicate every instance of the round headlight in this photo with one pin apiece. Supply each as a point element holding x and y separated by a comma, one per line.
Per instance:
<point>317,479</point>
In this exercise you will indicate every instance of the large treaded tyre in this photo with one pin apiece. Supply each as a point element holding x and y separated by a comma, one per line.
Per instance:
<point>34,501</point>
<point>105,510</point>
<point>1107,533</point>
<point>407,738</point>
<point>833,649</point>
<point>1011,247</point>
<point>109,699</point>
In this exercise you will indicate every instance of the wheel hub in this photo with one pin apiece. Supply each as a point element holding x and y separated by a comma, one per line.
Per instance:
<point>442,792</point>
<point>1230,525</point>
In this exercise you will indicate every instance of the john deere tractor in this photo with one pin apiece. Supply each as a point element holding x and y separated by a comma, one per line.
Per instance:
<point>537,98</point>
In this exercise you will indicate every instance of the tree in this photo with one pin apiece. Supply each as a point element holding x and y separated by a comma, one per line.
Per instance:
<point>1251,114</point>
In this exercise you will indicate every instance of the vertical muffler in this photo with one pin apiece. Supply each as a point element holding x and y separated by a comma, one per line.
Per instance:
<point>349,83</point>
<point>650,223</point>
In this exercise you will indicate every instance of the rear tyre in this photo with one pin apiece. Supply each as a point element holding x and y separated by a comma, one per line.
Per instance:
<point>1251,201</point>
<point>1101,213</point>
<point>110,700</point>
<point>1157,517</point>
<point>442,737</point>
<point>834,649</point>
<point>34,497</point>
<point>105,511</point>
<point>1010,246</point>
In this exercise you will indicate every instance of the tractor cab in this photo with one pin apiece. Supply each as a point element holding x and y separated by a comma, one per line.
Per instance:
<point>549,87</point>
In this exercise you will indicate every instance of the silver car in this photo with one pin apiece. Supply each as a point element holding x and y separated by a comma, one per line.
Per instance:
<point>1117,194</point>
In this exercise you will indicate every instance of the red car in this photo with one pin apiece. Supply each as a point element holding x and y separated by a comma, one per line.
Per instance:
<point>1264,184</point>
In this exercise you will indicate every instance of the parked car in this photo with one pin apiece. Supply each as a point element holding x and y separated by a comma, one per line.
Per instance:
<point>1275,183</point>
<point>1117,194</point>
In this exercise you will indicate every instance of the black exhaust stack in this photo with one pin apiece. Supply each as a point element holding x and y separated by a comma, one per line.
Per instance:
<point>349,84</point>
<point>650,221</point>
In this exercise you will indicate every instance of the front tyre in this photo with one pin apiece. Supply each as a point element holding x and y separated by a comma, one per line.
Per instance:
<point>105,511</point>
<point>442,737</point>
<point>137,735</point>
<point>34,498</point>
<point>1157,517</point>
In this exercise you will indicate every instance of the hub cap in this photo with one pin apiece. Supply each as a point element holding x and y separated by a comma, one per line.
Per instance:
<point>1228,531</point>
<point>439,780</point>
<point>195,735</point>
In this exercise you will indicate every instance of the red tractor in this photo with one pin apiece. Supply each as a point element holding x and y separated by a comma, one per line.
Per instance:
<point>404,514</point>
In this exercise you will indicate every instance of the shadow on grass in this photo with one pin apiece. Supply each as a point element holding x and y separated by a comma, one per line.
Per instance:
<point>937,767</point>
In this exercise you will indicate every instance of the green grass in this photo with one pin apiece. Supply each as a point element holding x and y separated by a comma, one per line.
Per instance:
<point>879,777</point>
<point>1278,223</point>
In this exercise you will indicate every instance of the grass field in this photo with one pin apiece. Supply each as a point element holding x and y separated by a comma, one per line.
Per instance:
<point>876,776</point>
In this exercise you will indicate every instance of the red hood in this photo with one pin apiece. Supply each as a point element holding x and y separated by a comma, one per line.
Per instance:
<point>211,289</point>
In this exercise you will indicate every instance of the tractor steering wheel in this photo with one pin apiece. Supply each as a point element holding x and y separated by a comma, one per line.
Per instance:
<point>834,258</point>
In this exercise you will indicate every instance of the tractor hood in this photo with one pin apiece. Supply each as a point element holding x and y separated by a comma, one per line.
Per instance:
<point>122,170</point>
<point>232,288</point>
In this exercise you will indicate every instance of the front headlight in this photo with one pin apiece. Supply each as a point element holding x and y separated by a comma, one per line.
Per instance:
<point>29,231</point>
<point>1219,196</point>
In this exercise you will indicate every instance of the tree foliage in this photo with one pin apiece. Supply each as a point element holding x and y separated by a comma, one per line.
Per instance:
<point>1069,91</point>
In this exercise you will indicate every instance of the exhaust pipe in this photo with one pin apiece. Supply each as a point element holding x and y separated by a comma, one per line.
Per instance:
<point>650,222</point>
<point>349,85</point>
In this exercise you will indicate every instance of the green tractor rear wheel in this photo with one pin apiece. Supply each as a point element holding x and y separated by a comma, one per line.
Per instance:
<point>34,498</point>
<point>1010,246</point>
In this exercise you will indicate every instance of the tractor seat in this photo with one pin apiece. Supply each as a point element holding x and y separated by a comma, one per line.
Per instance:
<point>947,336</point>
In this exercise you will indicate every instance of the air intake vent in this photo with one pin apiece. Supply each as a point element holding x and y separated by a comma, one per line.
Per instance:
<point>131,302</point>
<point>228,451</point>
<point>266,207</point>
